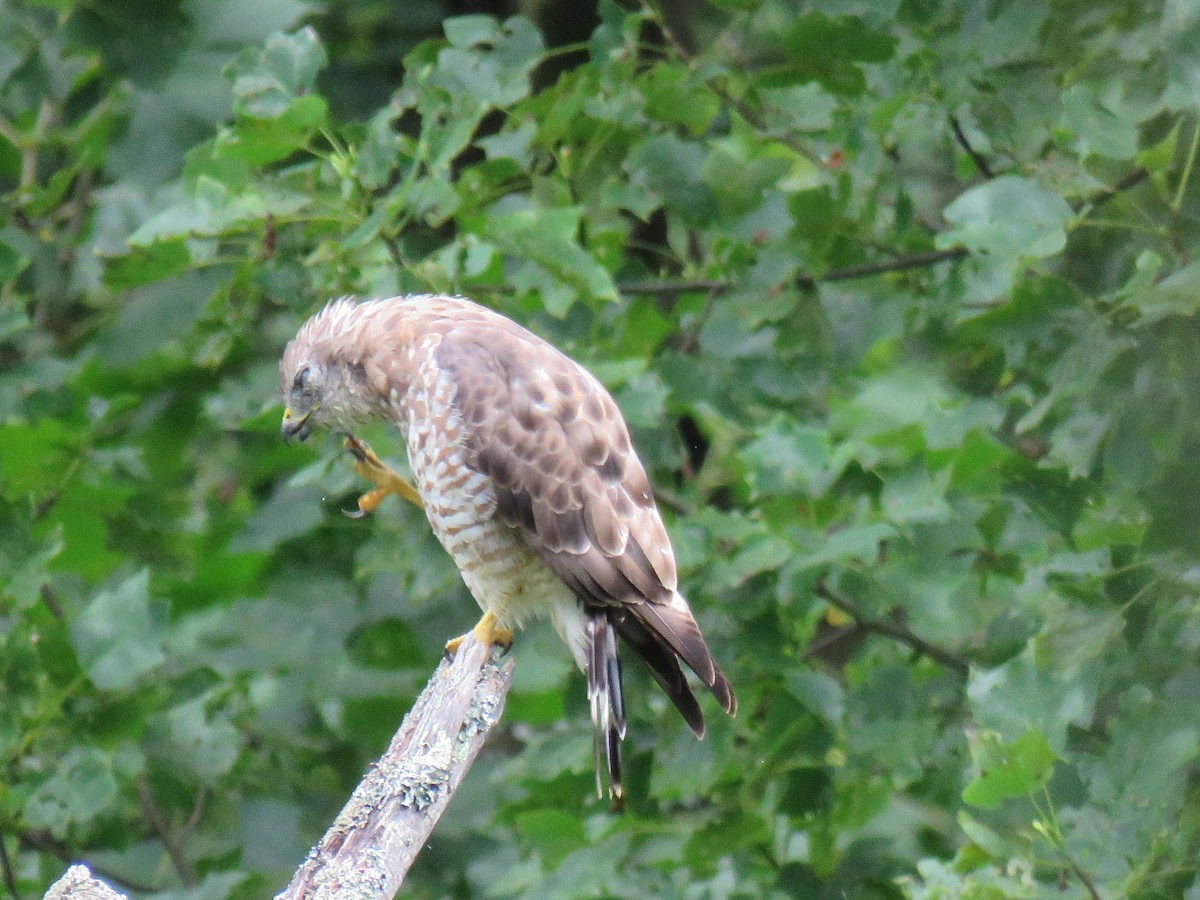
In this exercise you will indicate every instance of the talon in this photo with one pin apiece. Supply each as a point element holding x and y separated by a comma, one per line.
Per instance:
<point>452,646</point>
<point>487,632</point>
<point>369,502</point>
<point>373,469</point>
<point>357,448</point>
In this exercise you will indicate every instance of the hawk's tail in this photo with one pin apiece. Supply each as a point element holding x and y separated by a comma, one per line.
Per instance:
<point>607,701</point>
<point>665,633</point>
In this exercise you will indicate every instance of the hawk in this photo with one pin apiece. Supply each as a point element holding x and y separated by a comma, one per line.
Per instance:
<point>524,468</point>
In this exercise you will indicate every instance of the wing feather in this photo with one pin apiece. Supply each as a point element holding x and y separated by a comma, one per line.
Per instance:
<point>557,450</point>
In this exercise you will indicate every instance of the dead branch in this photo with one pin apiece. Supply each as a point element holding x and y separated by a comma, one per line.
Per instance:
<point>373,842</point>
<point>79,884</point>
<point>376,837</point>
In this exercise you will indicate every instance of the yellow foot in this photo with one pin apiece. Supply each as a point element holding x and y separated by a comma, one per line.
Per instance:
<point>387,481</point>
<point>487,632</point>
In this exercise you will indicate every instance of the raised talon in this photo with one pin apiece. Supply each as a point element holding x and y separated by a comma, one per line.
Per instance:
<point>486,631</point>
<point>357,448</point>
<point>387,481</point>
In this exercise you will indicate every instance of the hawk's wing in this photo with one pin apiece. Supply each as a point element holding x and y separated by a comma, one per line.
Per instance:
<point>558,452</point>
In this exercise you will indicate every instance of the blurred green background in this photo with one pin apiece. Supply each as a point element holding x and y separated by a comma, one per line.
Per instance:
<point>897,296</point>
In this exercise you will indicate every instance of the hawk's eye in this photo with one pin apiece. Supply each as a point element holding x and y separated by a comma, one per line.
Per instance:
<point>300,382</point>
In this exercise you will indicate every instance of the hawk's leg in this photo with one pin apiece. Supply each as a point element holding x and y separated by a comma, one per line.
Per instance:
<point>487,631</point>
<point>387,481</point>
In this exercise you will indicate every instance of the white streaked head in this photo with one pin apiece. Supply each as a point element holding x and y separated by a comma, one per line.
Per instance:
<point>322,375</point>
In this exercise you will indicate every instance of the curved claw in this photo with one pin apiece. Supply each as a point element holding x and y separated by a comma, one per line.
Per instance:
<point>354,513</point>
<point>356,447</point>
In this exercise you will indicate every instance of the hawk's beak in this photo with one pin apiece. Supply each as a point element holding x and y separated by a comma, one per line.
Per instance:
<point>295,427</point>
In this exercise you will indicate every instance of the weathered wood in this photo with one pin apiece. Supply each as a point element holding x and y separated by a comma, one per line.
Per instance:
<point>373,842</point>
<point>369,848</point>
<point>79,884</point>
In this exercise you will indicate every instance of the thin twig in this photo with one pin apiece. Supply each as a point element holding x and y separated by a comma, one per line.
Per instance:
<point>189,827</point>
<point>674,502</point>
<point>170,840</point>
<point>743,109</point>
<point>680,286</point>
<point>10,879</point>
<point>843,273</point>
<point>980,163</point>
<point>1177,201</point>
<point>865,270</point>
<point>1088,884</point>
<point>1130,179</point>
<point>894,630</point>
<point>899,264</point>
<point>42,842</point>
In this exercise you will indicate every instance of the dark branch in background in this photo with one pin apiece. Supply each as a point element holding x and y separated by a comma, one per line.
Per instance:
<point>674,502</point>
<point>1130,179</point>
<point>866,270</point>
<point>743,109</point>
<point>894,630</point>
<point>10,880</point>
<point>899,264</point>
<point>43,842</point>
<point>1088,884</point>
<point>171,840</point>
<point>844,273</point>
<point>980,163</point>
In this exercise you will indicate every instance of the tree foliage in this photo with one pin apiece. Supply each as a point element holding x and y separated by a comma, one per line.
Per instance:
<point>897,297</point>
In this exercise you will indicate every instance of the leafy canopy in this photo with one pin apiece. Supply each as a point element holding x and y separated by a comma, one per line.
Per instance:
<point>897,297</point>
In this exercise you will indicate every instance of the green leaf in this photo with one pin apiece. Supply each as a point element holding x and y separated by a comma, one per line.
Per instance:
<point>857,542</point>
<point>488,61</point>
<point>119,635</point>
<point>11,263</point>
<point>82,787</point>
<point>34,457</point>
<point>548,237</point>
<point>671,96</point>
<point>1022,695</point>
<point>472,31</point>
<point>1008,771</point>
<point>1175,295</point>
<point>1097,130</point>
<point>387,644</point>
<point>792,459</point>
<point>666,166</point>
<point>1008,218</point>
<point>142,265</point>
<point>914,495</point>
<point>825,49</point>
<point>290,513</point>
<point>266,82</point>
<point>25,576</point>
<point>207,746</point>
<point>156,316</point>
<point>553,832</point>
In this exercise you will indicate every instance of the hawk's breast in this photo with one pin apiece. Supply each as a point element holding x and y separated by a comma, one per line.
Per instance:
<point>497,565</point>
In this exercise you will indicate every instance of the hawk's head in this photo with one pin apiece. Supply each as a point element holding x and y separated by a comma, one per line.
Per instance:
<point>321,374</point>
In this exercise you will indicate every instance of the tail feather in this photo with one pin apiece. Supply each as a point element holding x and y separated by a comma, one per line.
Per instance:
<point>675,626</point>
<point>661,634</point>
<point>663,664</point>
<point>607,701</point>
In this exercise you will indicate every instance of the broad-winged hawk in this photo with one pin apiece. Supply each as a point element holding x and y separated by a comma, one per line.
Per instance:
<point>524,467</point>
